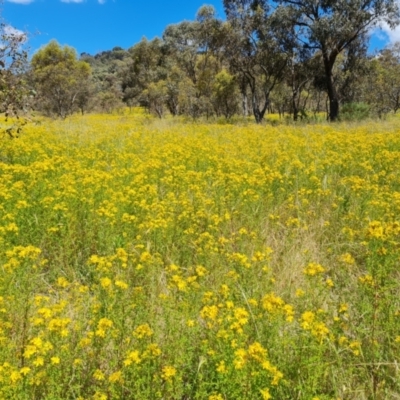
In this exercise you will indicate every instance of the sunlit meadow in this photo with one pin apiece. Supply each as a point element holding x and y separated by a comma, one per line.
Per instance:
<point>167,260</point>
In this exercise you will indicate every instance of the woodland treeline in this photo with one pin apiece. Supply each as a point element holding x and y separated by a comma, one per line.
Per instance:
<point>296,58</point>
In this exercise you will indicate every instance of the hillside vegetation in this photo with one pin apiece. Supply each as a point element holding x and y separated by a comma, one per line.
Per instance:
<point>147,259</point>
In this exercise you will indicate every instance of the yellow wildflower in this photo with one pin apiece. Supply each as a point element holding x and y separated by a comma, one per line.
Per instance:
<point>168,372</point>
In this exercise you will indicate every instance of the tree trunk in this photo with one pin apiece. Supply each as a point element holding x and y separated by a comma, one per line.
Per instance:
<point>332,93</point>
<point>245,109</point>
<point>295,105</point>
<point>257,112</point>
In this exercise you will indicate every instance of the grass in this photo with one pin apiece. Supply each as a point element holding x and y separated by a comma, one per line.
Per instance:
<point>145,259</point>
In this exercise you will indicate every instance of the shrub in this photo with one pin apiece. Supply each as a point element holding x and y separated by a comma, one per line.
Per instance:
<point>354,112</point>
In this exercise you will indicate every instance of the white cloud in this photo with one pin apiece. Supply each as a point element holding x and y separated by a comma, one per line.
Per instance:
<point>393,35</point>
<point>10,30</point>
<point>385,33</point>
<point>12,33</point>
<point>21,1</point>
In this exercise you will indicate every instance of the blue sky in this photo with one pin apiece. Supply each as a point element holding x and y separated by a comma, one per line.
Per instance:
<point>95,25</point>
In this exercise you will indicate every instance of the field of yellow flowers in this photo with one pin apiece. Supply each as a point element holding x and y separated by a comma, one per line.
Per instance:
<point>166,260</point>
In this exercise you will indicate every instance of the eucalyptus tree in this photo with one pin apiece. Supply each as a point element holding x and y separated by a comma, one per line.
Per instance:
<point>254,50</point>
<point>298,79</point>
<point>173,85</point>
<point>145,64</point>
<point>156,96</point>
<point>181,42</point>
<point>60,79</point>
<point>194,48</point>
<point>382,87</point>
<point>15,94</point>
<point>225,94</point>
<point>329,27</point>
<point>389,69</point>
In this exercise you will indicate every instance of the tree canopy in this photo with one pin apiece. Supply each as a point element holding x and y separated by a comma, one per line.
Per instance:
<point>298,57</point>
<point>15,94</point>
<point>330,27</point>
<point>60,78</point>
